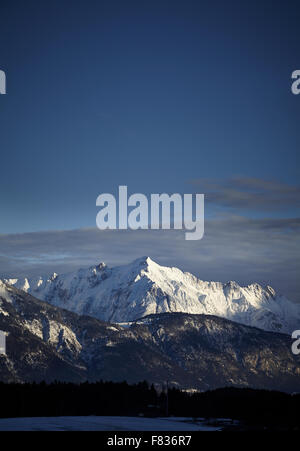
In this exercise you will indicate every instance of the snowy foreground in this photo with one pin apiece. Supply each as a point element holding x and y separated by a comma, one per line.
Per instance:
<point>104,423</point>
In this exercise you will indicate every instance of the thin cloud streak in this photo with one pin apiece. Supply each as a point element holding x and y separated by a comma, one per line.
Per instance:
<point>249,193</point>
<point>233,248</point>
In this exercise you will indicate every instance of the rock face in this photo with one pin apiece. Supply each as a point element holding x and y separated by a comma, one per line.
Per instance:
<point>142,288</point>
<point>190,351</point>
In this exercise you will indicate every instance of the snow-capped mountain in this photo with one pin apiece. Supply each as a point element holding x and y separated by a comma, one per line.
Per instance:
<point>190,351</point>
<point>126,293</point>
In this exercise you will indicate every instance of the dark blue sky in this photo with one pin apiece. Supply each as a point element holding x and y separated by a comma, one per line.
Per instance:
<point>162,96</point>
<point>151,94</point>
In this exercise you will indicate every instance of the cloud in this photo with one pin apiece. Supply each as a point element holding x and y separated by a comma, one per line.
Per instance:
<point>233,248</point>
<point>250,193</point>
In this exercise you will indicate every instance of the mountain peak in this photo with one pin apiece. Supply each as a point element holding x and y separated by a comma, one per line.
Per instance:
<point>100,266</point>
<point>143,261</point>
<point>143,287</point>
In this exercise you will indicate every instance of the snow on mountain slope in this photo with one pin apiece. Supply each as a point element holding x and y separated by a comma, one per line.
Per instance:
<point>200,352</point>
<point>41,326</point>
<point>132,291</point>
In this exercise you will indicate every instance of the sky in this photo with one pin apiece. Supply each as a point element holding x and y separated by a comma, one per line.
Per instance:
<point>161,96</point>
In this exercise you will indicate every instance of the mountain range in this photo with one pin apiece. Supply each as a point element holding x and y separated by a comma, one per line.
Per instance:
<point>126,293</point>
<point>46,342</point>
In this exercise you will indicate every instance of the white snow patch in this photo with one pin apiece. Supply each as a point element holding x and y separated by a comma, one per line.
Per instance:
<point>101,423</point>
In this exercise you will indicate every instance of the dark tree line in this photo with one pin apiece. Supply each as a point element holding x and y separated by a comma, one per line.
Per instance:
<point>251,406</point>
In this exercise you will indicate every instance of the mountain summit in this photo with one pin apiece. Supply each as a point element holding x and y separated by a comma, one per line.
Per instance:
<point>143,287</point>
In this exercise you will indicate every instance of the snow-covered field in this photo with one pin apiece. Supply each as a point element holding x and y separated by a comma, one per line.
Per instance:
<point>104,423</point>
